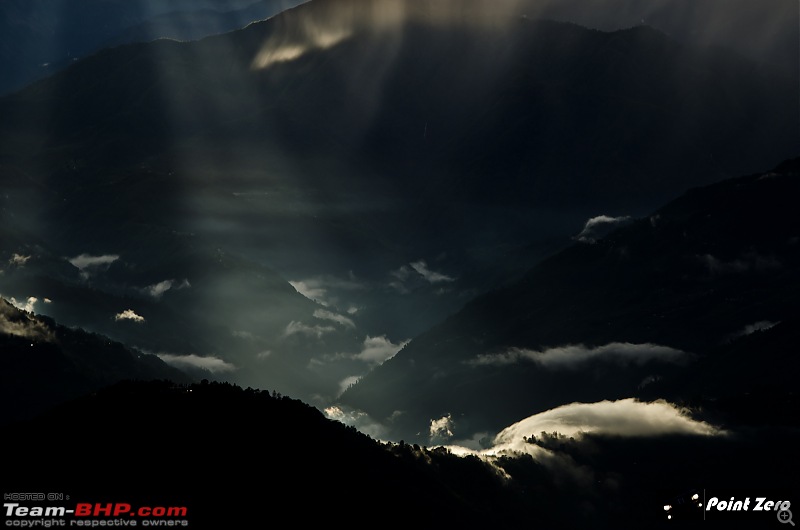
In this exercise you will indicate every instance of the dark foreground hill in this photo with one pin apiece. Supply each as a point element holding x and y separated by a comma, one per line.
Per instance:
<point>43,364</point>
<point>238,458</point>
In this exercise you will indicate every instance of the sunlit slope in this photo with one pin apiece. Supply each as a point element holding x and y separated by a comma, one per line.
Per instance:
<point>650,304</point>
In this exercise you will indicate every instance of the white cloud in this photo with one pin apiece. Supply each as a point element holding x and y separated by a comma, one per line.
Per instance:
<point>596,227</point>
<point>263,354</point>
<point>12,323</point>
<point>574,354</point>
<point>85,261</point>
<point>347,382</point>
<point>19,260</point>
<point>324,314</point>
<point>415,271</point>
<point>28,305</point>
<point>376,350</point>
<point>625,417</point>
<point>431,276</point>
<point>441,429</point>
<point>758,326</point>
<point>318,288</point>
<point>158,289</point>
<point>212,364</point>
<point>356,418</point>
<point>129,314</point>
<point>402,273</point>
<point>311,289</point>
<point>298,328</point>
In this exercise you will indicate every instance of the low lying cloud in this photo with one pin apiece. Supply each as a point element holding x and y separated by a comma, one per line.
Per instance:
<point>311,289</point>
<point>319,288</point>
<point>358,419</point>
<point>158,289</point>
<point>441,429</point>
<point>417,270</point>
<point>431,276</point>
<point>342,320</point>
<point>298,328</point>
<point>597,227</point>
<point>749,329</point>
<point>129,314</point>
<point>750,262</point>
<point>214,365</point>
<point>25,326</point>
<point>758,326</point>
<point>28,305</point>
<point>19,260</point>
<point>573,355</point>
<point>625,417</point>
<point>85,261</point>
<point>376,350</point>
<point>347,382</point>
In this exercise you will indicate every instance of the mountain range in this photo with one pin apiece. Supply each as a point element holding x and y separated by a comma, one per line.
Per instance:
<point>395,164</point>
<point>533,251</point>
<point>665,299</point>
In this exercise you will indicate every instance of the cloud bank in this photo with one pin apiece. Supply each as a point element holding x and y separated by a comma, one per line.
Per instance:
<point>625,417</point>
<point>85,261</point>
<point>28,305</point>
<point>376,350</point>
<point>573,355</point>
<point>356,418</point>
<point>298,328</point>
<point>158,289</point>
<point>20,325</point>
<point>417,270</point>
<point>342,320</point>
<point>430,276</point>
<point>214,365</point>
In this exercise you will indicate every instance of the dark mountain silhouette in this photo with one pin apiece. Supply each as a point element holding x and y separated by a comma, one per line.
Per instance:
<point>241,457</point>
<point>716,264</point>
<point>43,364</point>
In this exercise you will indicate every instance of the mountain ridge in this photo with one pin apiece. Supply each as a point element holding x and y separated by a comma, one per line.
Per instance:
<point>687,277</point>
